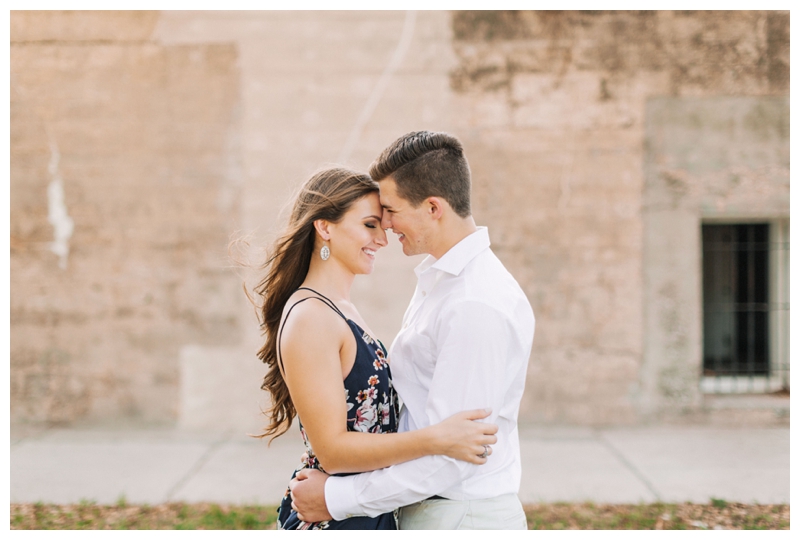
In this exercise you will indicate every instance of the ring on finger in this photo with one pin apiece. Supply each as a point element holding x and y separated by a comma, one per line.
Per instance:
<point>485,451</point>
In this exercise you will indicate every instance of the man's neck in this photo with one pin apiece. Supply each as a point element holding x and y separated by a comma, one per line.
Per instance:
<point>452,233</point>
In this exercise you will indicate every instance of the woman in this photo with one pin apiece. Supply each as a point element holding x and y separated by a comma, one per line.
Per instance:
<point>326,367</point>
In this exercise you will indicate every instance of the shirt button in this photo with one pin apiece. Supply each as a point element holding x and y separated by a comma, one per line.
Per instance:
<point>424,293</point>
<point>405,325</point>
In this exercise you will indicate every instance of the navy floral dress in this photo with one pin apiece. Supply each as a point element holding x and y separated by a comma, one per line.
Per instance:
<point>372,407</point>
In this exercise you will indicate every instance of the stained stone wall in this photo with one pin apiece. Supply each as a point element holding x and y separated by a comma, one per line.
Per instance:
<point>141,142</point>
<point>707,160</point>
<point>318,87</point>
<point>558,106</point>
<point>125,188</point>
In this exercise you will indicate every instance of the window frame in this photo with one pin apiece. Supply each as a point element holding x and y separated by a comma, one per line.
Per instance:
<point>778,378</point>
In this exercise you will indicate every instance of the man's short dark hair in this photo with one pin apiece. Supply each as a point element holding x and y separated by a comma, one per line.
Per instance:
<point>427,164</point>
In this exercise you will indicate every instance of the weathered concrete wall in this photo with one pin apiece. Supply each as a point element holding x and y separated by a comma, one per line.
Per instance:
<point>556,108</point>
<point>317,88</point>
<point>170,131</point>
<point>706,159</point>
<point>125,152</point>
<point>82,26</point>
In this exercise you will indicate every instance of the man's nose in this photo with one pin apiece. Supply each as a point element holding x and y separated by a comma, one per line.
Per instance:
<point>386,221</point>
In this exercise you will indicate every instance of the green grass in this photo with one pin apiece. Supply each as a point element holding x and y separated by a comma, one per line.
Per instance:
<point>718,503</point>
<point>123,515</point>
<point>717,513</point>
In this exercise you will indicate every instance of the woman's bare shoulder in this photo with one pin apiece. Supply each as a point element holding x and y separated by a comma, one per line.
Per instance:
<point>308,316</point>
<point>310,334</point>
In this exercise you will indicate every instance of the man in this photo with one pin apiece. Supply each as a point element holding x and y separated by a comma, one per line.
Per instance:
<point>464,344</point>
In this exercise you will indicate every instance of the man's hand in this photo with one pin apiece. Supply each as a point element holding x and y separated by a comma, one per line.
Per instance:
<point>308,496</point>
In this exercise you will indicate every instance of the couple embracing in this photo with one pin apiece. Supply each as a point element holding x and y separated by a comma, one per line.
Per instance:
<point>449,457</point>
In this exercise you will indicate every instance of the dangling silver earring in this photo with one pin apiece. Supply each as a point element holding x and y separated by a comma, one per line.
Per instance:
<point>325,253</point>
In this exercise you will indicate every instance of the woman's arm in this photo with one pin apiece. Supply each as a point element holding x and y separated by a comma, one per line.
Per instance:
<point>313,340</point>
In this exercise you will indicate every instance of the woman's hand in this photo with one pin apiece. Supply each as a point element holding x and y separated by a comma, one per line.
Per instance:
<point>461,437</point>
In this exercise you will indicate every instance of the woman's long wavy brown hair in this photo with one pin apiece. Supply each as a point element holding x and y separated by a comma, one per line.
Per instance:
<point>327,195</point>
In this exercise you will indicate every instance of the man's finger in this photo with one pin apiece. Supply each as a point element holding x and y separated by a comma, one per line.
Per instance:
<point>477,414</point>
<point>485,448</point>
<point>302,474</point>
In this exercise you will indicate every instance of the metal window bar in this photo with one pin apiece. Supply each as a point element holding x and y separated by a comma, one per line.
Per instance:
<point>745,307</point>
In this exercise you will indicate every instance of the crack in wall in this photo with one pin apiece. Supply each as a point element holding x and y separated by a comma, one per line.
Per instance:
<point>380,87</point>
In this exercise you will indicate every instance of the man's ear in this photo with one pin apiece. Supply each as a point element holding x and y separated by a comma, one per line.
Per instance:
<point>322,225</point>
<point>435,207</point>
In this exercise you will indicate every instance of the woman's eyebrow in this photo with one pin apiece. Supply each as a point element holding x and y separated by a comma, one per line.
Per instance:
<point>372,217</point>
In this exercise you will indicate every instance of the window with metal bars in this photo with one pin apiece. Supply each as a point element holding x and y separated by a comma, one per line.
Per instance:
<point>743,307</point>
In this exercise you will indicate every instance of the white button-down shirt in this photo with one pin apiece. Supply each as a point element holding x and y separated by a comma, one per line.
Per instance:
<point>465,343</point>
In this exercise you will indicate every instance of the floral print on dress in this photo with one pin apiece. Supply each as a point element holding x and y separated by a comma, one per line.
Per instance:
<point>366,417</point>
<point>372,407</point>
<point>380,362</point>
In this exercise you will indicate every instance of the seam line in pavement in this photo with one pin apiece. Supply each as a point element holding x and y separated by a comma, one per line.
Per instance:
<point>628,465</point>
<point>202,460</point>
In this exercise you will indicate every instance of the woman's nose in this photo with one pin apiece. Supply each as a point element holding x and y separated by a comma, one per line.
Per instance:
<point>381,238</point>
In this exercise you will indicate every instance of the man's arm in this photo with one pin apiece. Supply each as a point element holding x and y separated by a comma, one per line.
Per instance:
<point>469,373</point>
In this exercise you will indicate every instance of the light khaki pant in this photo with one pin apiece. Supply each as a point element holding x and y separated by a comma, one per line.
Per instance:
<point>496,513</point>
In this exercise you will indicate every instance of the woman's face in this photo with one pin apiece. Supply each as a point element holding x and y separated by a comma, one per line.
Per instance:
<point>358,236</point>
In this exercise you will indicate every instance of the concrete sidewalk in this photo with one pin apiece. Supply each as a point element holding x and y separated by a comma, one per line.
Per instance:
<point>618,465</point>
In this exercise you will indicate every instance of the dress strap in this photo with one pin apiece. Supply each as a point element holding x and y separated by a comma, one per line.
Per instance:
<point>322,298</point>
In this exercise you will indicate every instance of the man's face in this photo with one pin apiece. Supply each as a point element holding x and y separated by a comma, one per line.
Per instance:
<point>408,223</point>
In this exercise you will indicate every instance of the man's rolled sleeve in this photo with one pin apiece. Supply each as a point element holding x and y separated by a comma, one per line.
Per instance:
<point>340,498</point>
<point>377,492</point>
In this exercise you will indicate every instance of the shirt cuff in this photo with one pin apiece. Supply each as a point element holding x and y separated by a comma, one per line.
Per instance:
<point>340,498</point>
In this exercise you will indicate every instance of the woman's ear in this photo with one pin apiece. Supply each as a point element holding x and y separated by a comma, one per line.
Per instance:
<point>321,225</point>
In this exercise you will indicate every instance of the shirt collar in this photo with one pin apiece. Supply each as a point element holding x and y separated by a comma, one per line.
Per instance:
<point>458,256</point>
